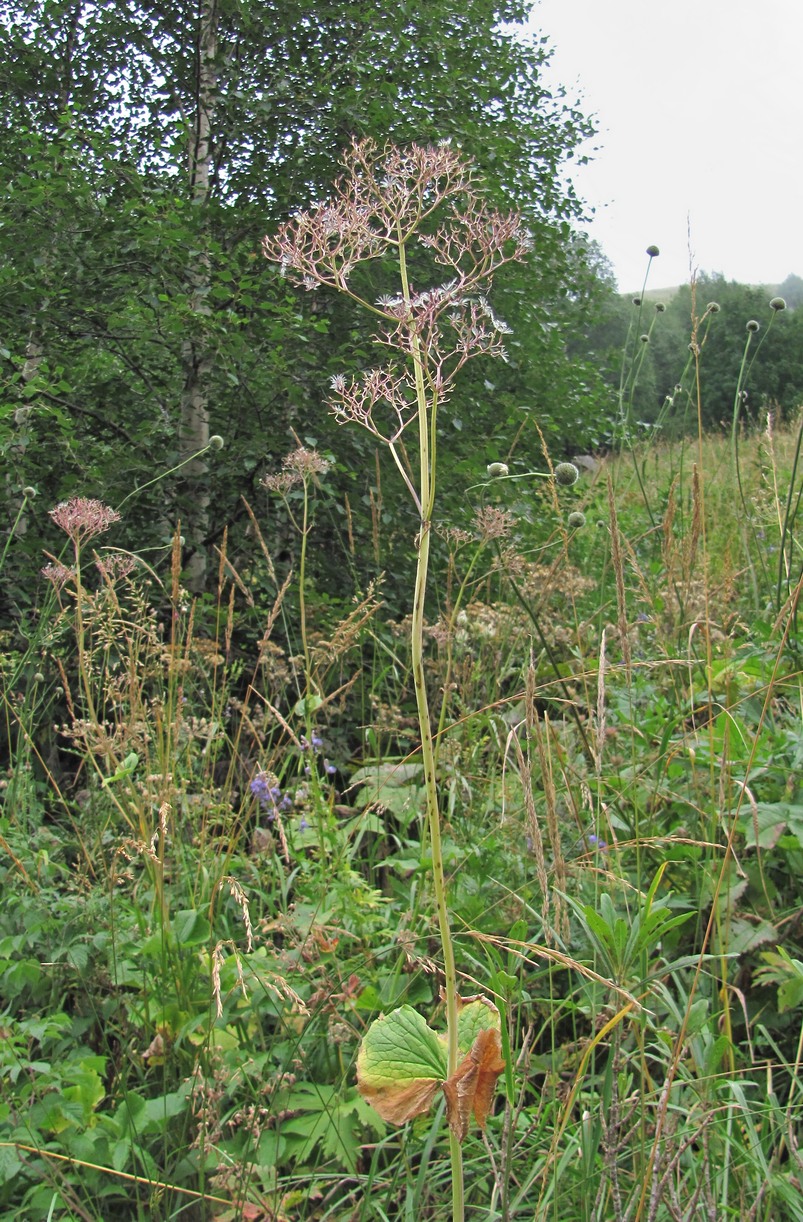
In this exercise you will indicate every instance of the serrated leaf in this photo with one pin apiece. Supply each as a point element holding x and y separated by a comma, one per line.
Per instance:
<point>401,1064</point>
<point>768,820</point>
<point>747,935</point>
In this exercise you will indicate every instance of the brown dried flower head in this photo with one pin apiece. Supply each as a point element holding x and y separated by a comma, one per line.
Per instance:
<point>492,523</point>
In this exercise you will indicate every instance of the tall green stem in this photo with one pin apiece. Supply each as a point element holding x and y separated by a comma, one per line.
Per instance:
<point>426,475</point>
<point>302,598</point>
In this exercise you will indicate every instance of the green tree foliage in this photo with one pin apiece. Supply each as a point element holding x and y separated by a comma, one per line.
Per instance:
<point>130,290</point>
<point>773,373</point>
<point>644,351</point>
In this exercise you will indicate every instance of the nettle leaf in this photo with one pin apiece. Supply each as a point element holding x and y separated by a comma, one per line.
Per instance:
<point>764,824</point>
<point>401,1064</point>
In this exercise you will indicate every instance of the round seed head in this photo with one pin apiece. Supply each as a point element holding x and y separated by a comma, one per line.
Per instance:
<point>576,520</point>
<point>497,469</point>
<point>753,326</point>
<point>566,474</point>
<point>777,303</point>
<point>653,252</point>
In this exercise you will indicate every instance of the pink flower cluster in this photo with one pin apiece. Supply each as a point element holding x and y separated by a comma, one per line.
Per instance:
<point>82,518</point>
<point>387,201</point>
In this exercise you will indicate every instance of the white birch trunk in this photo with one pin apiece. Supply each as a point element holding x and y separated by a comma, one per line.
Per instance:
<point>195,354</point>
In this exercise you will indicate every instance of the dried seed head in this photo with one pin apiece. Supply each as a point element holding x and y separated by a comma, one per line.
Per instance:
<point>492,523</point>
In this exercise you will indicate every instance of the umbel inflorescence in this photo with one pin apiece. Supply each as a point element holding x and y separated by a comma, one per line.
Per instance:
<point>387,201</point>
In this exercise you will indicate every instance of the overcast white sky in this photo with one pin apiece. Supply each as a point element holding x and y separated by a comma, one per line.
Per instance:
<point>699,105</point>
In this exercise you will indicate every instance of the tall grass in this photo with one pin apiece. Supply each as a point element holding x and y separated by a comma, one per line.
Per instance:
<point>214,874</point>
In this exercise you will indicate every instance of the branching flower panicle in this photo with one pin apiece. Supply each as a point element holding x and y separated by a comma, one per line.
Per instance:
<point>297,467</point>
<point>386,199</point>
<point>82,518</point>
<point>58,574</point>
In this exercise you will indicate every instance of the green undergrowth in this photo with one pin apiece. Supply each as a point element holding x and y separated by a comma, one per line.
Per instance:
<point>215,872</point>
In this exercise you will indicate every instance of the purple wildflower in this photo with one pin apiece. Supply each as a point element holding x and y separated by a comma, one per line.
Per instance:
<point>266,789</point>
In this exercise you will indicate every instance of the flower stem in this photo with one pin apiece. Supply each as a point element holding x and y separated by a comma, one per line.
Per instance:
<point>427,500</point>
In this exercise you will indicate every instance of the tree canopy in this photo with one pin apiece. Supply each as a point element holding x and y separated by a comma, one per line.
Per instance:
<point>147,150</point>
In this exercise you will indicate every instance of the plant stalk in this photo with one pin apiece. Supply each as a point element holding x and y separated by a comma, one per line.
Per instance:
<point>426,423</point>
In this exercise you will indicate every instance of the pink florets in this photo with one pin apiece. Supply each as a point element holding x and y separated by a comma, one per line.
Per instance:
<point>82,517</point>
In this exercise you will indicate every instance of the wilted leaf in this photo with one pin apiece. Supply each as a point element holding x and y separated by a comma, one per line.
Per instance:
<point>401,1064</point>
<point>472,1085</point>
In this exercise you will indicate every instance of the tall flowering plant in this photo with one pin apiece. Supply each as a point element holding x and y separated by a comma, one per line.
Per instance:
<point>393,203</point>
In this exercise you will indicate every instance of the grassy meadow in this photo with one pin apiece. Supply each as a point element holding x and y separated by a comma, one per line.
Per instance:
<point>216,874</point>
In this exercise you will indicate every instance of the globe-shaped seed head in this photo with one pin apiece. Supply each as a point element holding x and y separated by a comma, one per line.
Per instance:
<point>566,474</point>
<point>653,252</point>
<point>216,442</point>
<point>497,469</point>
<point>753,326</point>
<point>576,520</point>
<point>713,307</point>
<point>777,303</point>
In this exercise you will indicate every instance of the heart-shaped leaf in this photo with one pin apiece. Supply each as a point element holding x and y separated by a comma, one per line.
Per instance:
<point>401,1064</point>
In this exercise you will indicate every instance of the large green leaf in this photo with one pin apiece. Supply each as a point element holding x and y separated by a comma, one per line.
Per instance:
<point>401,1064</point>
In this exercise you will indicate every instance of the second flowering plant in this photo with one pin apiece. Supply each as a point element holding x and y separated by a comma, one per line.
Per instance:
<point>392,203</point>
